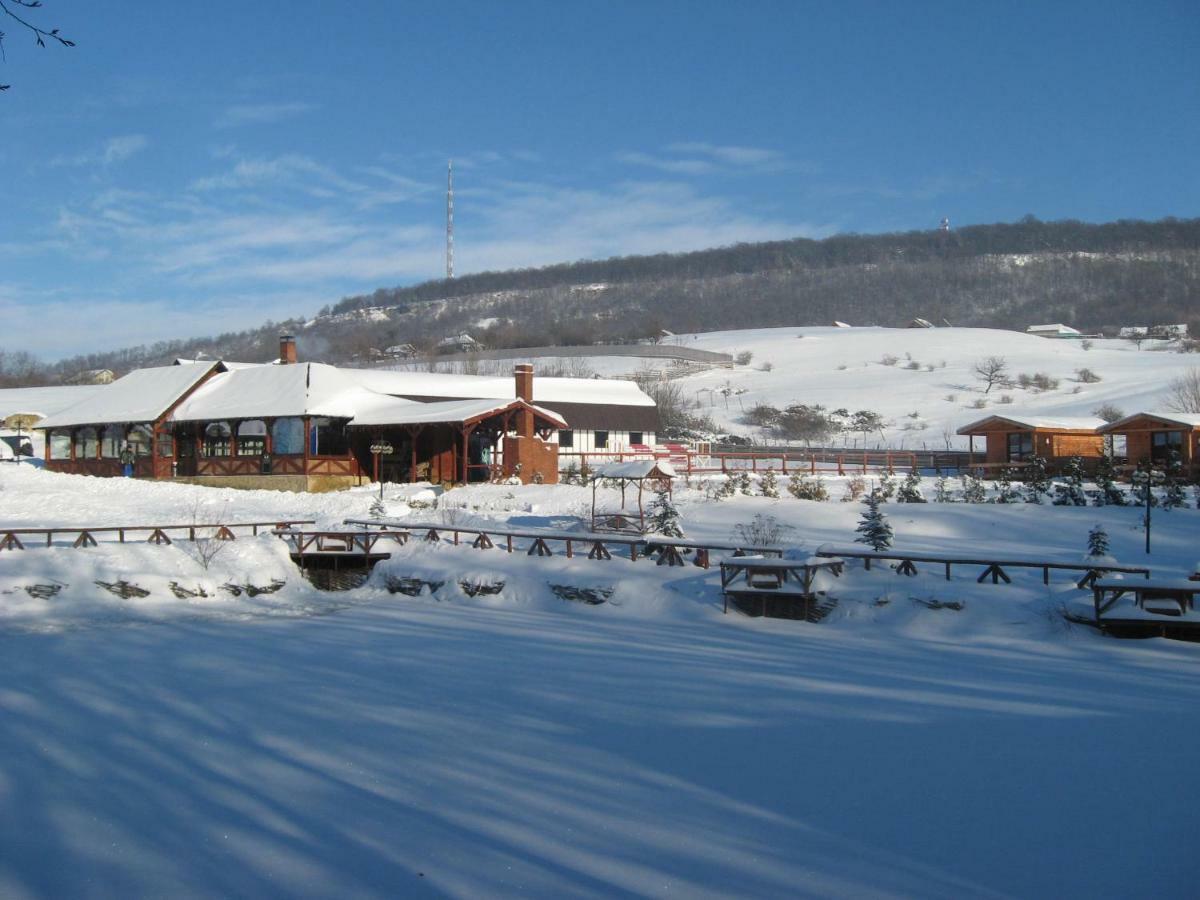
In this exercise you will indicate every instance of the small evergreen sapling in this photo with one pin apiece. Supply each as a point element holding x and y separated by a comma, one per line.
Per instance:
<point>1071,493</point>
<point>1097,542</point>
<point>873,528</point>
<point>974,490</point>
<point>941,490</point>
<point>910,490</point>
<point>378,510</point>
<point>1110,493</point>
<point>1037,481</point>
<point>886,487</point>
<point>1174,495</point>
<point>1005,492</point>
<point>663,516</point>
<point>769,484</point>
<point>741,481</point>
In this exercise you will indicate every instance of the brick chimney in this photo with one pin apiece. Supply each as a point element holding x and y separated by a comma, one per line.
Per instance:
<point>523,375</point>
<point>287,350</point>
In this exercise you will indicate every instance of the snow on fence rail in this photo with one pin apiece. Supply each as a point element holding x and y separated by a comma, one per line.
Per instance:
<point>690,462</point>
<point>669,549</point>
<point>993,566</point>
<point>10,538</point>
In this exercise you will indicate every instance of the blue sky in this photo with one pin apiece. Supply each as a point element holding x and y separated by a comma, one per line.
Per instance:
<point>193,168</point>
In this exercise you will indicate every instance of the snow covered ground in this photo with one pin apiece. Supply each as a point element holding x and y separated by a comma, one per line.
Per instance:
<point>369,744</point>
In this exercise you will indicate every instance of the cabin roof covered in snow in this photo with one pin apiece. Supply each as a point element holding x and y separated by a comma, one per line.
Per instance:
<point>141,396</point>
<point>44,401</point>
<point>1044,423</point>
<point>1056,328</point>
<point>1185,420</point>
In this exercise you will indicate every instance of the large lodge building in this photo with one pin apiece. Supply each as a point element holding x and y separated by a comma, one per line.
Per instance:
<point>311,426</point>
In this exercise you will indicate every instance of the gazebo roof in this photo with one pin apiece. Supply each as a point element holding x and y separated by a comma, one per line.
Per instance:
<point>635,470</point>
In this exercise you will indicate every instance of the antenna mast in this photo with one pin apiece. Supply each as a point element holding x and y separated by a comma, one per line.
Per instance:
<point>450,219</point>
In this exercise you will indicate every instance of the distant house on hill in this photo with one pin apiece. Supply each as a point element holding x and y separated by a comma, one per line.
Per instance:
<point>1015,439</point>
<point>92,376</point>
<point>458,343</point>
<point>920,323</point>
<point>1161,332</point>
<point>1057,330</point>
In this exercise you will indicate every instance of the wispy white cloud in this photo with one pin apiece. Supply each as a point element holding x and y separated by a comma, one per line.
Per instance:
<point>260,113</point>
<point>114,150</point>
<point>703,158</point>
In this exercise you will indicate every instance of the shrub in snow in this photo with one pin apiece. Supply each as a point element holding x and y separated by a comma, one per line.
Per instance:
<point>941,490</point>
<point>1087,376</point>
<point>973,489</point>
<point>802,487</point>
<point>763,531</point>
<point>662,516</point>
<point>1037,481</point>
<point>1098,541</point>
<point>378,510</point>
<point>1071,493</point>
<point>1005,492</point>
<point>769,484</point>
<point>1174,495</point>
<point>910,490</point>
<point>743,358</point>
<point>1109,493</point>
<point>570,475</point>
<point>873,528</point>
<point>725,487</point>
<point>855,488</point>
<point>741,480</point>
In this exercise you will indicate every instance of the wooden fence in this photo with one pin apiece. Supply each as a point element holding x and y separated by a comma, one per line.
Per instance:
<point>85,536</point>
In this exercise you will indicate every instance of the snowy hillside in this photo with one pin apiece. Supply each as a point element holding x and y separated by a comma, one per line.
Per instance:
<point>930,374</point>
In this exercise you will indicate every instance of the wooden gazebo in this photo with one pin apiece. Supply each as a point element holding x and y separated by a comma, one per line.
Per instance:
<point>643,473</point>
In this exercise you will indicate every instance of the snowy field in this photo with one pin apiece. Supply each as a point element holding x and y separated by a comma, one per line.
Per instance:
<point>369,744</point>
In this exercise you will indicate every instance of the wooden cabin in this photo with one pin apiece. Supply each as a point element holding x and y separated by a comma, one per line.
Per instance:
<point>1153,436</point>
<point>309,426</point>
<point>1013,440</point>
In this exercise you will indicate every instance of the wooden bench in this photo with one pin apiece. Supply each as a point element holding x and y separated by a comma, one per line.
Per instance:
<point>748,579</point>
<point>1158,605</point>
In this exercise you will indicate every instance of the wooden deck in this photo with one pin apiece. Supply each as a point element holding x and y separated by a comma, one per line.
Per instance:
<point>1164,607</point>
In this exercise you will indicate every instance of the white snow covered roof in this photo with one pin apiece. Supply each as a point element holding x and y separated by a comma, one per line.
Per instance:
<point>637,468</point>
<point>1186,420</point>
<point>503,387</point>
<point>401,412</point>
<point>1057,423</point>
<point>293,390</point>
<point>1056,328</point>
<point>141,396</point>
<point>43,401</point>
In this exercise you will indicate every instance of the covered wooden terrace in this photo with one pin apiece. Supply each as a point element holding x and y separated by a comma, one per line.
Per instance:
<point>654,473</point>
<point>454,441</point>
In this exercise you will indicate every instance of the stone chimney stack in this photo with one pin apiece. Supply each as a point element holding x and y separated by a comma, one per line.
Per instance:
<point>287,350</point>
<point>523,375</point>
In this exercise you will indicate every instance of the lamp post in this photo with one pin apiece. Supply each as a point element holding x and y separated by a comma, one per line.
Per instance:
<point>378,449</point>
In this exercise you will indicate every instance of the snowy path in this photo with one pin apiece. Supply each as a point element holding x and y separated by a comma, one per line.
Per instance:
<point>408,747</point>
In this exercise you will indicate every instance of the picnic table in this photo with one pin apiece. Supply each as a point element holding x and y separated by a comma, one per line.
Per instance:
<point>1158,604</point>
<point>755,577</point>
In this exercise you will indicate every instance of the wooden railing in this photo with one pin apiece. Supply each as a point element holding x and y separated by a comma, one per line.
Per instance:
<point>668,550</point>
<point>848,462</point>
<point>993,566</point>
<point>85,536</point>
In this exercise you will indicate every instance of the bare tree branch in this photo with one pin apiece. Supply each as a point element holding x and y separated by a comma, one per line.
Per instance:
<point>40,34</point>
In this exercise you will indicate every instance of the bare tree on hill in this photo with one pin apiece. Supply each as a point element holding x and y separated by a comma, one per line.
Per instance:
<point>992,371</point>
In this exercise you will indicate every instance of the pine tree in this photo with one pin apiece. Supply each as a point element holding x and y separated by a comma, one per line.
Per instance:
<point>941,490</point>
<point>570,474</point>
<point>886,487</point>
<point>910,490</point>
<point>725,489</point>
<point>1037,481</point>
<point>1098,541</point>
<point>1110,493</point>
<point>769,484</point>
<point>873,528</point>
<point>1005,492</point>
<point>742,482</point>
<point>974,490</point>
<point>1071,493</point>
<point>1174,495</point>
<point>378,510</point>
<point>663,517</point>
